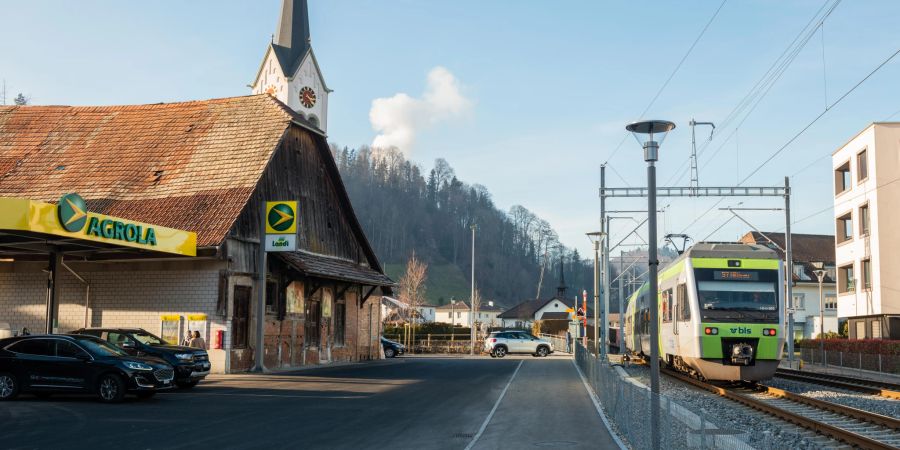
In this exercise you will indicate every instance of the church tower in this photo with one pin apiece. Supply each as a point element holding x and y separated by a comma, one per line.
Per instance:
<point>289,70</point>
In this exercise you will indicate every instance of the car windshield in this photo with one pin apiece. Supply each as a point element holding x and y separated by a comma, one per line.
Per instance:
<point>99,347</point>
<point>737,296</point>
<point>148,339</point>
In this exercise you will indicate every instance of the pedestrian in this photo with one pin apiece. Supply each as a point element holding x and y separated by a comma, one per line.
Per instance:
<point>187,339</point>
<point>197,341</point>
<point>568,341</point>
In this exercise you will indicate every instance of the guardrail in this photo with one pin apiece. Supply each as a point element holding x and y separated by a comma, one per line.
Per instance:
<point>627,403</point>
<point>852,362</point>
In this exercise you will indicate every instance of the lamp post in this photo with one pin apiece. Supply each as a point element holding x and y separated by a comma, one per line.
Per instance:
<point>472,298</point>
<point>596,237</point>
<point>656,131</point>
<point>820,274</point>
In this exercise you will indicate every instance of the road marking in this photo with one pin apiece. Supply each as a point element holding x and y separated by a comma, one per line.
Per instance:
<point>490,416</point>
<point>596,402</point>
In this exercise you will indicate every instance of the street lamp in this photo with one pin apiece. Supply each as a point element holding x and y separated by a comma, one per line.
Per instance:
<point>655,131</point>
<point>596,237</point>
<point>472,297</point>
<point>820,274</point>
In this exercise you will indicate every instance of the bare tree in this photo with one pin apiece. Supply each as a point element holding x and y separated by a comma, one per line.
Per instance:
<point>412,289</point>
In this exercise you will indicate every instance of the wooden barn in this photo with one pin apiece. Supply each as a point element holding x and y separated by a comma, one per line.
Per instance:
<point>206,167</point>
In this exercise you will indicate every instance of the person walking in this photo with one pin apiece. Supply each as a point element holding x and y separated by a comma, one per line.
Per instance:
<point>187,339</point>
<point>568,341</point>
<point>197,341</point>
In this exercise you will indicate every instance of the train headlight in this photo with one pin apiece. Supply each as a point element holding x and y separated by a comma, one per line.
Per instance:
<point>711,330</point>
<point>736,350</point>
<point>769,332</point>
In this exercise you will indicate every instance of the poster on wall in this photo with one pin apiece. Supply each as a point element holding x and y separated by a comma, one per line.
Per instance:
<point>294,298</point>
<point>327,298</point>
<point>170,328</point>
<point>197,322</point>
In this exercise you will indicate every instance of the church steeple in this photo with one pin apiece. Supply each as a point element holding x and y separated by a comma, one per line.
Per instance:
<point>290,72</point>
<point>561,290</point>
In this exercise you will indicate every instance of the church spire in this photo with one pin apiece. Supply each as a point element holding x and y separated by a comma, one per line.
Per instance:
<point>561,290</point>
<point>292,39</point>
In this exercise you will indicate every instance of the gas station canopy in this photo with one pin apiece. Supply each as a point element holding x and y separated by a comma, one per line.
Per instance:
<point>32,229</point>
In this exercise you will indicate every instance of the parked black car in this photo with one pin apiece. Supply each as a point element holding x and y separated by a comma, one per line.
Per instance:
<point>391,348</point>
<point>46,364</point>
<point>191,364</point>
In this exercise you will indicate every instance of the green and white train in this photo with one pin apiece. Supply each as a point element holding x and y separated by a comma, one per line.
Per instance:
<point>721,310</point>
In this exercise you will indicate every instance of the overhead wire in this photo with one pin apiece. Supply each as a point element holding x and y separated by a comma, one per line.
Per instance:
<point>671,75</point>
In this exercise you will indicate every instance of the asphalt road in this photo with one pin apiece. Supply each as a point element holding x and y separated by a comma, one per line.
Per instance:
<point>421,403</point>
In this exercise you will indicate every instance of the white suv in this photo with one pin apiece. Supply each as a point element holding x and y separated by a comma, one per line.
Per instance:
<point>501,343</point>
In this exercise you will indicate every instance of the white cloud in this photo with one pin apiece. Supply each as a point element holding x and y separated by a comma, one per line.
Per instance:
<point>399,118</point>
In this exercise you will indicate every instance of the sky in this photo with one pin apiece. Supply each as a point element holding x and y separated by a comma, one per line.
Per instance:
<point>526,97</point>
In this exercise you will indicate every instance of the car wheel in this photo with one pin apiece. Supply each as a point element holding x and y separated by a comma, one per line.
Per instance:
<point>389,353</point>
<point>542,351</point>
<point>186,384</point>
<point>111,388</point>
<point>500,352</point>
<point>146,394</point>
<point>9,386</point>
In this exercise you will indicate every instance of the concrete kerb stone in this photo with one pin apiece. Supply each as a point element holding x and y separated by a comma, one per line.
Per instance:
<point>687,417</point>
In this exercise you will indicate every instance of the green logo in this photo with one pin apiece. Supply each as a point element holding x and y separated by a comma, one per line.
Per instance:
<point>72,212</point>
<point>281,217</point>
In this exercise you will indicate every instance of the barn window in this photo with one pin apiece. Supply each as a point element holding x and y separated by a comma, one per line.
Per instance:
<point>340,322</point>
<point>240,318</point>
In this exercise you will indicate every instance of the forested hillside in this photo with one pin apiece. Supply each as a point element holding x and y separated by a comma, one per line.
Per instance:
<point>404,208</point>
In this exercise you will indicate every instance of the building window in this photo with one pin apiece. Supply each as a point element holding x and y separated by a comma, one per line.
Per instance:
<point>458,314</point>
<point>799,301</point>
<point>876,329</point>
<point>845,228</point>
<point>861,330</point>
<point>311,324</point>
<point>845,279</point>
<point>240,317</point>
<point>830,302</point>
<point>862,166</point>
<point>867,273</point>
<point>864,220</point>
<point>842,178</point>
<point>340,322</point>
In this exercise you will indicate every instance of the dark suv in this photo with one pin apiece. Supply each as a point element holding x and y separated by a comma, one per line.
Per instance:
<point>58,363</point>
<point>191,364</point>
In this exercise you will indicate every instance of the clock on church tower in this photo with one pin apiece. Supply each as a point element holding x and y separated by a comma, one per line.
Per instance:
<point>290,72</point>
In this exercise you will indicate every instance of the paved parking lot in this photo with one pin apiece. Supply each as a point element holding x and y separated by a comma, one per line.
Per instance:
<point>412,402</point>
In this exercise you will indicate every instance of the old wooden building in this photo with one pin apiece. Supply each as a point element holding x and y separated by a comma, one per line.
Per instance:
<point>206,167</point>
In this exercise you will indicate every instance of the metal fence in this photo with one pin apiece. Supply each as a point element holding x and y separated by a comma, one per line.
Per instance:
<point>627,404</point>
<point>852,362</point>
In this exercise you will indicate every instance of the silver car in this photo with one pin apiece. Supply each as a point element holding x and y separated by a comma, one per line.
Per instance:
<point>501,343</point>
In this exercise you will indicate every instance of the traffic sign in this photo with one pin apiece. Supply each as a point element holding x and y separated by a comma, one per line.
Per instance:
<point>281,217</point>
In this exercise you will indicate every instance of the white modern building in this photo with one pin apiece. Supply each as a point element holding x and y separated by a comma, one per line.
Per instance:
<point>866,212</point>
<point>458,313</point>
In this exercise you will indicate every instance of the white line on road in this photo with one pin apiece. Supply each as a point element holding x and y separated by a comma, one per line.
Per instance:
<point>228,394</point>
<point>490,416</point>
<point>599,408</point>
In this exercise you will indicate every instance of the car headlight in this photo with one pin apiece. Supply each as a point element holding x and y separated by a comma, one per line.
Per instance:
<point>137,366</point>
<point>184,356</point>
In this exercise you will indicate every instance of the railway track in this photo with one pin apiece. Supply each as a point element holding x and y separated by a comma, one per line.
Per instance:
<point>883,389</point>
<point>855,427</point>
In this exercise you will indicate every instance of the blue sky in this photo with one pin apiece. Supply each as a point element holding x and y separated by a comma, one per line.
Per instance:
<point>551,85</point>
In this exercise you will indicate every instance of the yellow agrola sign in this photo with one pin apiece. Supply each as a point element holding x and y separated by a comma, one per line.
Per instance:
<point>70,218</point>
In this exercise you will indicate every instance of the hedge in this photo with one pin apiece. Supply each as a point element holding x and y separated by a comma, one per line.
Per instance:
<point>865,346</point>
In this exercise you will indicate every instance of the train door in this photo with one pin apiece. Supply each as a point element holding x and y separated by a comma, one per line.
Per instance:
<point>682,321</point>
<point>666,331</point>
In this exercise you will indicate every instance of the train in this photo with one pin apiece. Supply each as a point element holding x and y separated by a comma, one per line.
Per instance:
<point>721,313</point>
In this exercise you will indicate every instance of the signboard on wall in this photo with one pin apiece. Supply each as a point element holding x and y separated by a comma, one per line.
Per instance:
<point>281,242</point>
<point>281,226</point>
<point>294,296</point>
<point>170,328</point>
<point>197,322</point>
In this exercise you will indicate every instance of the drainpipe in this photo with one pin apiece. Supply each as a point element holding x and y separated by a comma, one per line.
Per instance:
<point>87,293</point>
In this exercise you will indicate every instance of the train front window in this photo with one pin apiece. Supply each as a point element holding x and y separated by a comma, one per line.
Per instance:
<point>737,295</point>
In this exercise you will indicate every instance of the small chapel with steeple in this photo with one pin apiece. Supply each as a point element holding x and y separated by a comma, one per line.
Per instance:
<point>289,70</point>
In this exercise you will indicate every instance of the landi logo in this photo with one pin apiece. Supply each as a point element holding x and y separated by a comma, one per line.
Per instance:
<point>72,213</point>
<point>280,242</point>
<point>281,217</point>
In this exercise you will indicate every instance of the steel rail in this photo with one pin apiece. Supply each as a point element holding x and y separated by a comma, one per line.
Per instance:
<point>831,431</point>
<point>880,388</point>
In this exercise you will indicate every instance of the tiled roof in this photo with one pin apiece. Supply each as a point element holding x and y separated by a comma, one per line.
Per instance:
<point>524,310</point>
<point>555,315</point>
<point>314,265</point>
<point>805,249</point>
<point>190,165</point>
